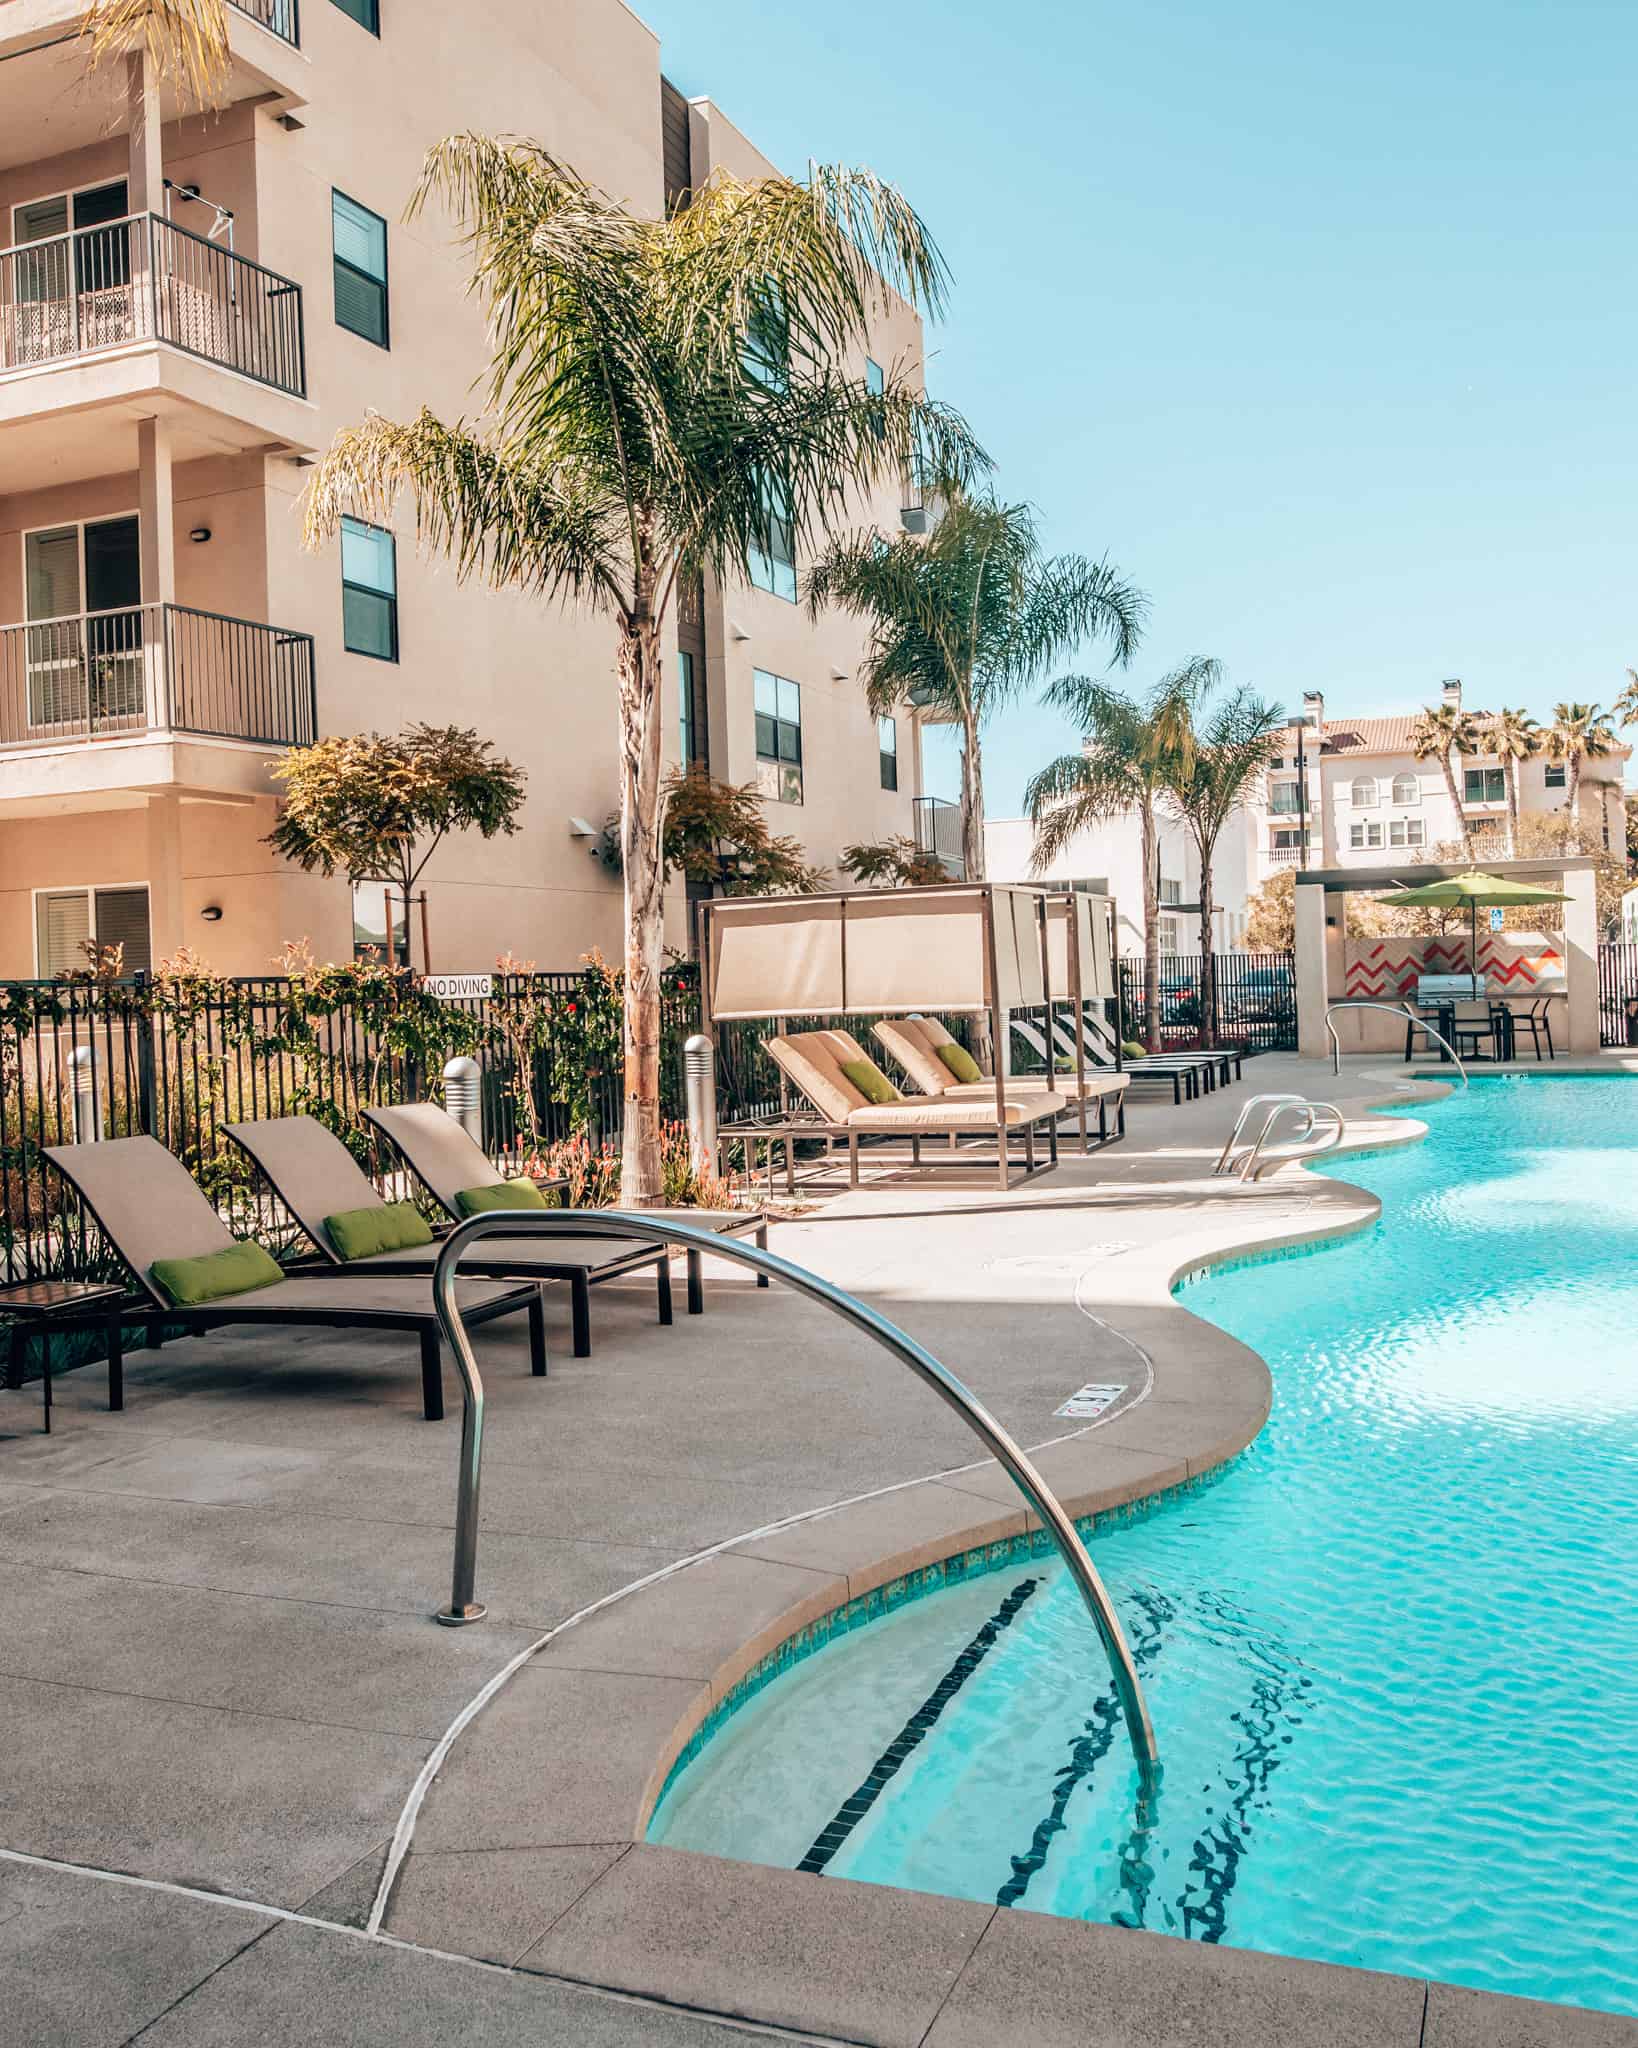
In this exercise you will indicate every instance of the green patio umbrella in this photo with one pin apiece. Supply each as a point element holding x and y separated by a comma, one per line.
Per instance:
<point>1473,888</point>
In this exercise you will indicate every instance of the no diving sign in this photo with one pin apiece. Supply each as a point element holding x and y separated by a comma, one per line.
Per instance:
<point>458,988</point>
<point>1089,1401</point>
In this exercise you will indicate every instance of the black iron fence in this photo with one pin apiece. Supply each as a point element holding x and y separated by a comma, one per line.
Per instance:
<point>178,1060</point>
<point>1253,1001</point>
<point>1618,993</point>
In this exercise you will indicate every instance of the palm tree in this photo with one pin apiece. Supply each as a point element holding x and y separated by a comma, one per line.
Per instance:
<point>1125,765</point>
<point>1626,705</point>
<point>1440,732</point>
<point>1221,749</point>
<point>963,620</point>
<point>1514,737</point>
<point>664,396</point>
<point>1579,733</point>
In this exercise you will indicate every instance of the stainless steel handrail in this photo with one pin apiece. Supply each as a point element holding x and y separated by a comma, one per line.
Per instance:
<point>463,1604</point>
<point>1388,1010</point>
<point>1255,1102</point>
<point>1311,1110</point>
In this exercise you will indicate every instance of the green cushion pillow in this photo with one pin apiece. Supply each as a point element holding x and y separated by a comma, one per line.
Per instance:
<point>241,1269</point>
<point>1131,1050</point>
<point>870,1081</point>
<point>959,1061</point>
<point>500,1194</point>
<point>367,1233</point>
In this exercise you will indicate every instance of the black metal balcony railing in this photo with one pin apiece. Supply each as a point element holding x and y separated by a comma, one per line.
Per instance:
<point>283,17</point>
<point>145,279</point>
<point>154,668</point>
<point>938,832</point>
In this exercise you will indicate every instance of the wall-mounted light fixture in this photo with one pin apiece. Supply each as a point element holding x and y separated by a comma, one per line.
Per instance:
<point>736,631</point>
<point>212,913</point>
<point>838,675</point>
<point>200,533</point>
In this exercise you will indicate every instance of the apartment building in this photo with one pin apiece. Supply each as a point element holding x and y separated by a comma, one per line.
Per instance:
<point>190,306</point>
<point>1369,799</point>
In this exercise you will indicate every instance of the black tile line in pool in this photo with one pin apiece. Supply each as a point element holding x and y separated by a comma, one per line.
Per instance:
<point>849,1814</point>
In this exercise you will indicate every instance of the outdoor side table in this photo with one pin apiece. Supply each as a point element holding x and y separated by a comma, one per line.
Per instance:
<point>42,1307</point>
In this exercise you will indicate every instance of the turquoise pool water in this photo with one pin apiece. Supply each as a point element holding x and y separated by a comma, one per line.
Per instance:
<point>1391,1654</point>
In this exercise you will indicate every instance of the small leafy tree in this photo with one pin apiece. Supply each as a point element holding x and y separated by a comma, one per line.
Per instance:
<point>1271,916</point>
<point>716,834</point>
<point>895,863</point>
<point>376,809</point>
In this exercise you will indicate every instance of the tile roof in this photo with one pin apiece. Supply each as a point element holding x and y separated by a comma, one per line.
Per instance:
<point>1393,735</point>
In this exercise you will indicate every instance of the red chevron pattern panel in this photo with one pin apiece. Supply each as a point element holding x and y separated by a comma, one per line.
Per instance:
<point>1387,969</point>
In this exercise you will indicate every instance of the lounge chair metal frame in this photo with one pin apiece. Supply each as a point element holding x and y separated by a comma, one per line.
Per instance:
<point>150,1309</point>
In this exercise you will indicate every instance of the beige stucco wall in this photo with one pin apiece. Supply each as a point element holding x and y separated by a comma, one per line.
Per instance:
<point>584,77</point>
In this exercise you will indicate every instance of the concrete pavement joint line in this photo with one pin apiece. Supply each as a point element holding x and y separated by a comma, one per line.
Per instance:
<point>284,1914</point>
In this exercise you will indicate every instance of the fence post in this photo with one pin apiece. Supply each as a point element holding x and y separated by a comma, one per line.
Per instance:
<point>147,1093</point>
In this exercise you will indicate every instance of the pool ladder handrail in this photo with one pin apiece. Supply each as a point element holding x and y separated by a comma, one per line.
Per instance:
<point>1390,1010</point>
<point>1312,1114</point>
<point>463,1604</point>
<point>1231,1144</point>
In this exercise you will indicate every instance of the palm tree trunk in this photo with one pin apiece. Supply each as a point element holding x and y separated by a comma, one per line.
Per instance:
<point>1512,807</point>
<point>1151,928</point>
<point>641,666</point>
<point>1456,804</point>
<point>972,801</point>
<point>1574,794</point>
<point>1208,961</point>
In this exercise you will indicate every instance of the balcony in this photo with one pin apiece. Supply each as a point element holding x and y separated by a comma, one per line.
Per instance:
<point>280,17</point>
<point>938,832</point>
<point>1284,856</point>
<point>145,279</point>
<point>143,697</point>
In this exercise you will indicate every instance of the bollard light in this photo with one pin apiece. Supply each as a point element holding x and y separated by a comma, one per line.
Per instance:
<point>700,1096</point>
<point>87,1114</point>
<point>463,1096</point>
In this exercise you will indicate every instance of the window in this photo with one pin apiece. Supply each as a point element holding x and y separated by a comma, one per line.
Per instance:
<point>876,384</point>
<point>767,351</point>
<point>1484,786</point>
<point>778,738</point>
<point>367,13</point>
<point>1364,792</point>
<point>887,747</point>
<point>685,706</point>
<point>1407,789</point>
<point>66,921</point>
<point>773,565</point>
<point>1366,835</point>
<point>369,590</point>
<point>1288,836</point>
<point>1555,775</point>
<point>1405,832</point>
<point>1282,799</point>
<point>86,666</point>
<point>360,241</point>
<point>376,909</point>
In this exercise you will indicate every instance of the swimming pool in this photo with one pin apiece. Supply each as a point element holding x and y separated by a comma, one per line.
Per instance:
<point>1391,1653</point>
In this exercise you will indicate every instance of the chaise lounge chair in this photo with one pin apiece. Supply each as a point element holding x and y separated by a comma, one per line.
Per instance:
<point>150,1209</point>
<point>447,1163</point>
<point>913,1044</point>
<point>812,1062</point>
<point>1187,1074</point>
<point>316,1178</point>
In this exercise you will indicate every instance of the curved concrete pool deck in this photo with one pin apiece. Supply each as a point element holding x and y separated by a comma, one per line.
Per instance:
<point>726,1445</point>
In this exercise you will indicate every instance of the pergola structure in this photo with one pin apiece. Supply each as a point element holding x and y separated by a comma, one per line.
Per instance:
<point>974,948</point>
<point>1322,945</point>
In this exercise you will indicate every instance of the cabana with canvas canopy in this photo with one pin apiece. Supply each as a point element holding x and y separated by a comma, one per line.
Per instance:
<point>978,949</point>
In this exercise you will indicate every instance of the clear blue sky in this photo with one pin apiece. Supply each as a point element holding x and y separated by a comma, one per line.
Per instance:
<point>1320,322</point>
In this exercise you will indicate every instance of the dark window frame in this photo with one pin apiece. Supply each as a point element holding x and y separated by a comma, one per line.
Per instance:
<point>782,752</point>
<point>389,598</point>
<point>1557,776</point>
<point>338,263</point>
<point>887,757</point>
<point>372,25</point>
<point>1492,785</point>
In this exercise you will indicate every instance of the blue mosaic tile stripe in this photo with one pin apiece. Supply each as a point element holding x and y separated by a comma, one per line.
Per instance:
<point>871,1606</point>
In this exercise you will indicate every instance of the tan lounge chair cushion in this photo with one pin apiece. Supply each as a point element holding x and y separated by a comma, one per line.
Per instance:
<point>911,1040</point>
<point>902,1039</point>
<point>812,1061</point>
<point>945,1115</point>
<point>811,1064</point>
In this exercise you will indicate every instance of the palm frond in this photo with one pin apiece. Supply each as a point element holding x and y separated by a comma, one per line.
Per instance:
<point>186,41</point>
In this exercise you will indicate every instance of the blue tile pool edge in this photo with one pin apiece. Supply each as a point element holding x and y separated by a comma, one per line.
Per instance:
<point>956,1569</point>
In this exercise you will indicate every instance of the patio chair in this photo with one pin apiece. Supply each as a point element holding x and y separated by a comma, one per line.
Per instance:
<point>448,1163</point>
<point>316,1177</point>
<point>149,1208</point>
<point>1214,1065</point>
<point>812,1062</point>
<point>913,1044</point>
